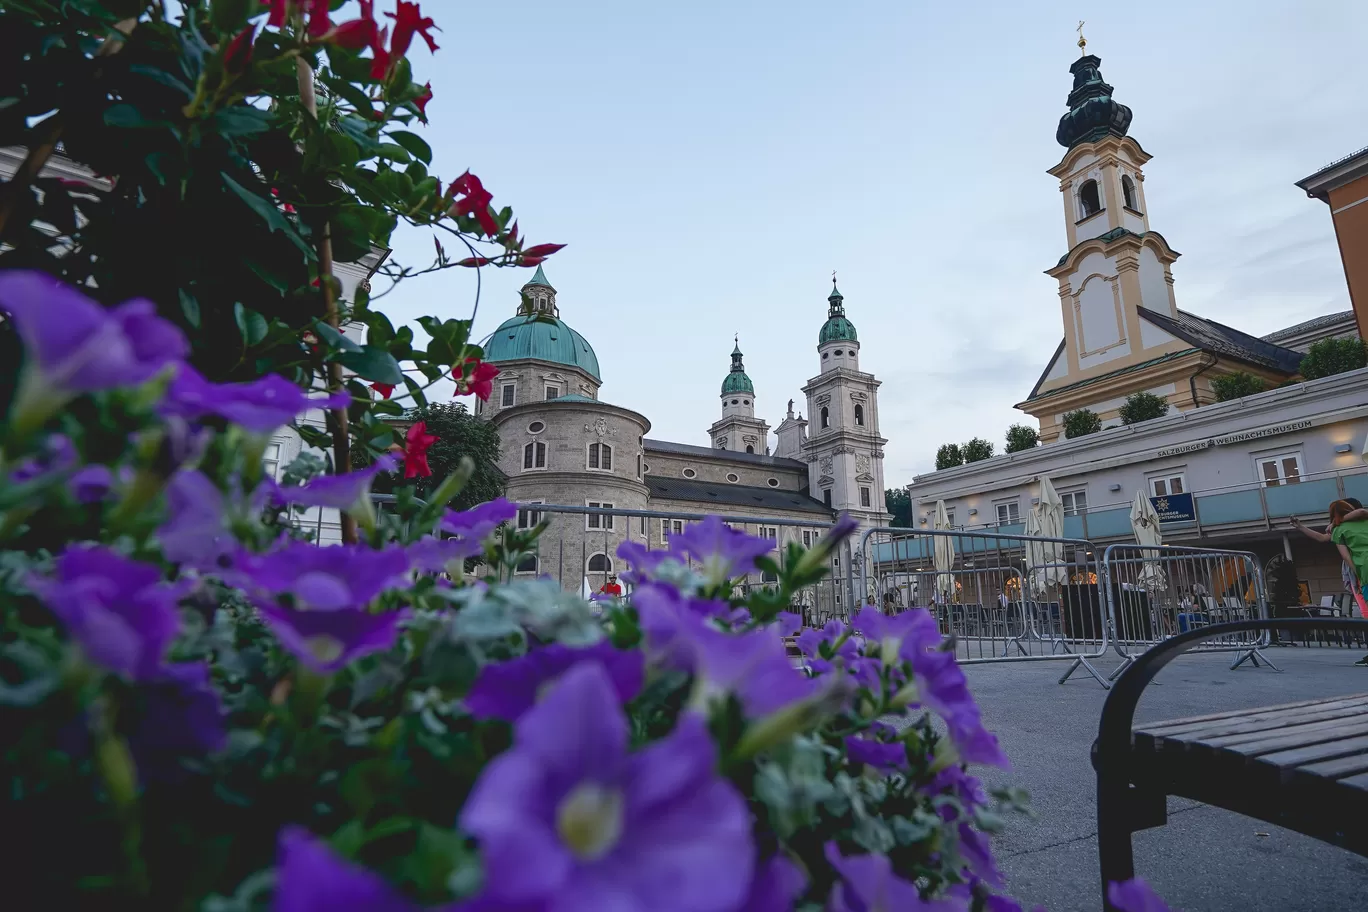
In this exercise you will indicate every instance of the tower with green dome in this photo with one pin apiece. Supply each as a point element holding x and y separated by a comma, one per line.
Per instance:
<point>540,357</point>
<point>738,429</point>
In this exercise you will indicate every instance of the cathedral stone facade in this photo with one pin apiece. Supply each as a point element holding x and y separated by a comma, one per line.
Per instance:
<point>562,444</point>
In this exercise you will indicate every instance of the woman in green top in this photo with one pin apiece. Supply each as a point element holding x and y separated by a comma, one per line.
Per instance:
<point>1349,532</point>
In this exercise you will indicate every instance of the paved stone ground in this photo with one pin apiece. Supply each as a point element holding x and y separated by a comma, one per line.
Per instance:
<point>1205,859</point>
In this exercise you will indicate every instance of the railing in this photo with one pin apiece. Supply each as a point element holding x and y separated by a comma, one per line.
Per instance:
<point>1230,505</point>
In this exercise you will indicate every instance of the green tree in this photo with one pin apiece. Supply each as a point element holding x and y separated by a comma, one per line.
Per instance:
<point>1143,406</point>
<point>1021,437</point>
<point>1236,386</point>
<point>458,433</point>
<point>899,503</point>
<point>1081,422</point>
<point>949,456</point>
<point>1334,356</point>
<point>977,450</point>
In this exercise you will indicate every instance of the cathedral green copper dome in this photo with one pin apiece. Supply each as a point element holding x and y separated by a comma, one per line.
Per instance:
<point>544,338</point>
<point>539,332</point>
<point>737,381</point>
<point>837,328</point>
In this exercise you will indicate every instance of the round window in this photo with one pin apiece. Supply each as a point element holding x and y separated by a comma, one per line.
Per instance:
<point>732,477</point>
<point>536,427</point>
<point>839,353</point>
<point>690,473</point>
<point>735,402</point>
<point>825,355</point>
<point>773,482</point>
<point>747,402</point>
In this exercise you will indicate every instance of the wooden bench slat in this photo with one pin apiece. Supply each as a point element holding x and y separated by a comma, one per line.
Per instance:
<point>1339,767</point>
<point>1156,727</point>
<point>1327,751</point>
<point>1253,720</point>
<point>1359,781</point>
<point>1253,744</point>
<point>1254,729</point>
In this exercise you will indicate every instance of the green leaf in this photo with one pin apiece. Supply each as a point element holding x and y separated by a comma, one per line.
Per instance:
<point>335,340</point>
<point>251,324</point>
<point>241,120</point>
<point>416,391</point>
<point>274,218</point>
<point>124,115</point>
<point>373,364</point>
<point>156,74</point>
<point>393,151</point>
<point>379,329</point>
<point>190,307</point>
<point>414,144</point>
<point>229,16</point>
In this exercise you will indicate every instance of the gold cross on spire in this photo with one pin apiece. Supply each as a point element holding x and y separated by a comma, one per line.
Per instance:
<point>1082,42</point>
<point>833,277</point>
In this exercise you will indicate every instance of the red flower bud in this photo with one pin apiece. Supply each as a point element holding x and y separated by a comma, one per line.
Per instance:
<point>475,261</point>
<point>238,56</point>
<point>384,389</point>
<point>530,261</point>
<point>542,250</point>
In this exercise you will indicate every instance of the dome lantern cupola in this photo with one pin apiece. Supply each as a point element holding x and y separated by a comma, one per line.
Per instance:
<point>736,380</point>
<point>1093,112</point>
<point>837,328</point>
<point>538,333</point>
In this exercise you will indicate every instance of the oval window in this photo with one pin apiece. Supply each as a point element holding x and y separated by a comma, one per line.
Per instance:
<point>773,482</point>
<point>732,477</point>
<point>839,353</point>
<point>690,473</point>
<point>536,427</point>
<point>825,355</point>
<point>747,402</point>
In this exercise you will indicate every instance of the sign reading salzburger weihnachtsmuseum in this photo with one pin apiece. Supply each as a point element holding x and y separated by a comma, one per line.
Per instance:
<point>1175,508</point>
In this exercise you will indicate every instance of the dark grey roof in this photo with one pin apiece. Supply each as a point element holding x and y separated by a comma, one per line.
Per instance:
<point>702,452</point>
<point>1217,338</point>
<point>1344,316</point>
<point>730,495</point>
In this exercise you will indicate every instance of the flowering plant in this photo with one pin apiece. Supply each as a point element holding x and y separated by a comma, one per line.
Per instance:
<point>204,709</point>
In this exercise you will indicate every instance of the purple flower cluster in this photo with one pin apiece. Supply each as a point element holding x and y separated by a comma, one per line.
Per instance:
<point>259,406</point>
<point>506,690</point>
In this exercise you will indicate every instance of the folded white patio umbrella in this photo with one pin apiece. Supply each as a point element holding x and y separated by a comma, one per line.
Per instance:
<point>944,554</point>
<point>1145,525</point>
<point>1051,509</point>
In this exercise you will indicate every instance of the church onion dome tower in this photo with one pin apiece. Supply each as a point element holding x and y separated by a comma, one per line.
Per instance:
<point>537,332</point>
<point>837,328</point>
<point>737,381</point>
<point>1093,112</point>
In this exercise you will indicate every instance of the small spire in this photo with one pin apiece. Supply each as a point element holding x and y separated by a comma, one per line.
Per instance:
<point>736,350</point>
<point>1082,42</point>
<point>539,278</point>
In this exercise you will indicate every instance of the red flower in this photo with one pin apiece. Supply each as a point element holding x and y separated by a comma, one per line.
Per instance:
<point>319,25</point>
<point>280,11</point>
<point>476,378</point>
<point>286,206</point>
<point>408,20</point>
<point>384,389</point>
<point>421,101</point>
<point>381,64</point>
<point>238,56</point>
<point>477,200</point>
<point>474,261</point>
<point>542,250</point>
<point>354,35</point>
<point>419,441</point>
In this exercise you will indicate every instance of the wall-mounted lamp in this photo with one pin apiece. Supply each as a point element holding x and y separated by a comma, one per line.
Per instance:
<point>974,511</point>
<point>923,520</point>
<point>1115,487</point>
<point>1035,500</point>
<point>1344,448</point>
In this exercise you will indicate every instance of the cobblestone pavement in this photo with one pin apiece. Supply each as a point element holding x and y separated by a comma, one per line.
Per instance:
<point>1205,859</point>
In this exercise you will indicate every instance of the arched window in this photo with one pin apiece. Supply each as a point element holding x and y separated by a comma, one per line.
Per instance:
<point>859,415</point>
<point>534,455</point>
<point>1128,191</point>
<point>768,576</point>
<point>600,563</point>
<point>600,456</point>
<point>1089,199</point>
<point>749,448</point>
<point>527,564</point>
<point>826,417</point>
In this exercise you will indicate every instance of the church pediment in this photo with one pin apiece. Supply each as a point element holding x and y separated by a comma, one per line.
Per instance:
<point>826,480</point>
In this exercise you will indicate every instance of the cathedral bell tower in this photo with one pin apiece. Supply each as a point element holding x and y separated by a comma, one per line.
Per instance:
<point>843,449</point>
<point>738,429</point>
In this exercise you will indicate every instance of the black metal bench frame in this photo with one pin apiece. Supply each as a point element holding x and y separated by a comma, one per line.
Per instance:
<point>1132,796</point>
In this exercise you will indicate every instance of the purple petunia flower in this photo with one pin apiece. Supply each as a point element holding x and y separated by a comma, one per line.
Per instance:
<point>75,345</point>
<point>646,563</point>
<point>788,623</point>
<point>478,523</point>
<point>1135,895</point>
<point>322,578</point>
<point>877,754</point>
<point>506,690</point>
<point>328,640</point>
<point>868,884</point>
<point>180,715</point>
<point>666,616</point>
<point>259,406</point>
<point>91,484</point>
<point>58,454</point>
<point>777,884</point>
<point>810,642</point>
<point>568,817</point>
<point>311,877</point>
<point>349,492</point>
<point>433,555</point>
<point>119,610</point>
<point>721,551</point>
<point>197,531</point>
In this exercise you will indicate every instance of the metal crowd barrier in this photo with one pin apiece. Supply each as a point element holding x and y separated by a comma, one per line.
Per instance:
<point>578,549</point>
<point>1155,592</point>
<point>1002,598</point>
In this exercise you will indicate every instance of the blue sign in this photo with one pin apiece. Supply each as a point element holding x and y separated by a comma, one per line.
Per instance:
<point>1175,508</point>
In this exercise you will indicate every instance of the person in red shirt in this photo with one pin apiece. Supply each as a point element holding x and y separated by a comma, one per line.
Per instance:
<point>611,587</point>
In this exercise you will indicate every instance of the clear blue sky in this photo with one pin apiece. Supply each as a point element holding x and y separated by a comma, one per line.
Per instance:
<point>709,164</point>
